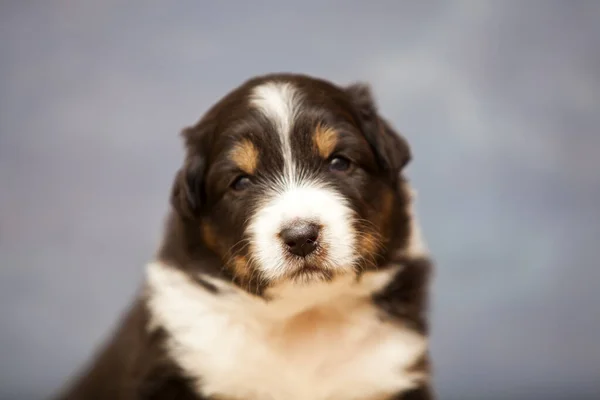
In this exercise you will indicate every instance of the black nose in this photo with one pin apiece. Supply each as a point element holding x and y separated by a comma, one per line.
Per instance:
<point>301,238</point>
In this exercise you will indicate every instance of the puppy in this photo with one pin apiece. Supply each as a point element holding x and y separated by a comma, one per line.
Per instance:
<point>291,267</point>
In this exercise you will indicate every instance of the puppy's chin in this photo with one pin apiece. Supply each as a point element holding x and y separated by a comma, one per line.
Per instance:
<point>306,273</point>
<point>311,270</point>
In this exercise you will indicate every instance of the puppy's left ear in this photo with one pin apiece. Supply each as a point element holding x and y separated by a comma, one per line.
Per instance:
<point>391,149</point>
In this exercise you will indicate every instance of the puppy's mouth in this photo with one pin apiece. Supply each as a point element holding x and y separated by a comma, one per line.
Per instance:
<point>310,271</point>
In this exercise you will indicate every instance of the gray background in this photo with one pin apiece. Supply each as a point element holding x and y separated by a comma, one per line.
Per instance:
<point>500,101</point>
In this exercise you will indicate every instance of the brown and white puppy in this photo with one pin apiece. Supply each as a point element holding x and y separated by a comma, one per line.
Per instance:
<point>291,266</point>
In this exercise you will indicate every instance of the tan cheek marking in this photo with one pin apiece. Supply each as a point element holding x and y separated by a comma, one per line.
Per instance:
<point>208,234</point>
<point>239,263</point>
<point>245,156</point>
<point>369,244</point>
<point>325,140</point>
<point>240,266</point>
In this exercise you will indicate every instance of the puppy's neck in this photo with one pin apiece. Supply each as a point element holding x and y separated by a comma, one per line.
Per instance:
<point>281,301</point>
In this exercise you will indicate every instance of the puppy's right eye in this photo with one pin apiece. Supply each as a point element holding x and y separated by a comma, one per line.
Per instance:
<point>241,183</point>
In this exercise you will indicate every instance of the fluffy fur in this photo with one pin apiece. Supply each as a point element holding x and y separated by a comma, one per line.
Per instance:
<point>234,307</point>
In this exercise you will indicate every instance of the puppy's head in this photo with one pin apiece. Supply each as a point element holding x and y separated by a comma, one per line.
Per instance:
<point>291,178</point>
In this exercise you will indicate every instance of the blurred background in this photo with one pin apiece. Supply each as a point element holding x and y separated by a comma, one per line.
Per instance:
<point>500,100</point>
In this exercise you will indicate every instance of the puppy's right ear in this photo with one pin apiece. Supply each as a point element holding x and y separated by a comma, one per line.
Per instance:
<point>188,191</point>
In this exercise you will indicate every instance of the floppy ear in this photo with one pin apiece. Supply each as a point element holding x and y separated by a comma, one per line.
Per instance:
<point>187,193</point>
<point>391,149</point>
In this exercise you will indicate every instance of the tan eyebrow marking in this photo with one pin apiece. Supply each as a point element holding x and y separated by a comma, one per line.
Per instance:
<point>245,156</point>
<point>325,139</point>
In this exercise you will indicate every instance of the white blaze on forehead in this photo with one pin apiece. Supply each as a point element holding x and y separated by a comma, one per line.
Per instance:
<point>279,102</point>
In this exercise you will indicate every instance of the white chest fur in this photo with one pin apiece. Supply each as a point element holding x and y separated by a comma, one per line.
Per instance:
<point>319,342</point>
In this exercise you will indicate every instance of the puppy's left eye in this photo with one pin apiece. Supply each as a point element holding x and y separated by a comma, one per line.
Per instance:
<point>339,164</point>
<point>241,183</point>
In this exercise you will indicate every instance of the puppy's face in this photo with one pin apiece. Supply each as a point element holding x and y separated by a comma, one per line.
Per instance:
<point>290,178</point>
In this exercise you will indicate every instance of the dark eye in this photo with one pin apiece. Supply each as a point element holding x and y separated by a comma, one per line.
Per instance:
<point>339,164</point>
<point>240,183</point>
